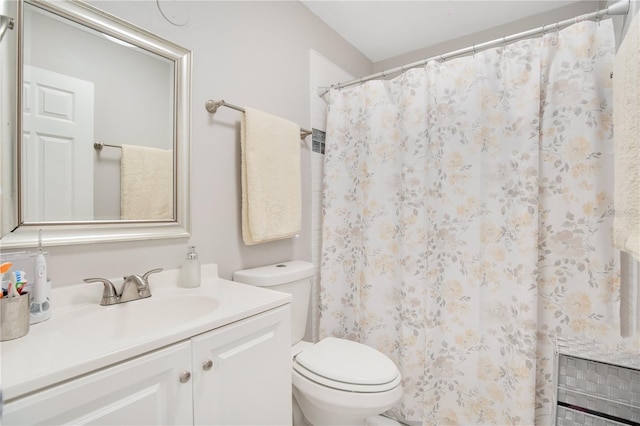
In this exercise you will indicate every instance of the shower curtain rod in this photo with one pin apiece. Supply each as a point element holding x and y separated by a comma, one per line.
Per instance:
<point>619,8</point>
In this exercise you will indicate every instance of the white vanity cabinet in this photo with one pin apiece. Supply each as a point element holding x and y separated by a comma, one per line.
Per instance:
<point>144,390</point>
<point>236,374</point>
<point>242,372</point>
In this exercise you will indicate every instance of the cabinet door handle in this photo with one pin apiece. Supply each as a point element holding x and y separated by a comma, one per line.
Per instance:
<point>185,377</point>
<point>206,366</point>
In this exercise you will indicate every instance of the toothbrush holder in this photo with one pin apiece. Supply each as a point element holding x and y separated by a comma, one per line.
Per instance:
<point>14,317</point>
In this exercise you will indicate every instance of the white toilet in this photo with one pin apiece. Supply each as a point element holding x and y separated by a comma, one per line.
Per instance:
<point>335,381</point>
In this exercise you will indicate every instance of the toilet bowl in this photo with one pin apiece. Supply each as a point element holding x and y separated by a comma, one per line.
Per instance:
<point>335,381</point>
<point>340,382</point>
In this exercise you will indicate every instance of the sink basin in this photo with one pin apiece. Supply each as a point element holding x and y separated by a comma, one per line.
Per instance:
<point>136,319</point>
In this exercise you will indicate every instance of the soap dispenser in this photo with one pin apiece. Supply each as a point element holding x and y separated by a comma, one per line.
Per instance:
<point>190,276</point>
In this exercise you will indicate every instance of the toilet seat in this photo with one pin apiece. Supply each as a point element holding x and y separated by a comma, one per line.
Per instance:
<point>349,366</point>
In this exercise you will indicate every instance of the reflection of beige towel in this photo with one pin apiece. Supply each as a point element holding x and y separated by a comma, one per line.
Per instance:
<point>271,206</point>
<point>146,183</point>
<point>626,126</point>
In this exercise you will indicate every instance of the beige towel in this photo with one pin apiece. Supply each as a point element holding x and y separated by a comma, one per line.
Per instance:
<point>271,206</point>
<point>626,125</point>
<point>146,183</point>
<point>626,223</point>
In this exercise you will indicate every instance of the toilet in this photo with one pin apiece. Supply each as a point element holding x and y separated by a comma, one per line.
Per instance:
<point>335,381</point>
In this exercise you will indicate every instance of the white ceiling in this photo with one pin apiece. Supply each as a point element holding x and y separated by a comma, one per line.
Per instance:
<point>382,29</point>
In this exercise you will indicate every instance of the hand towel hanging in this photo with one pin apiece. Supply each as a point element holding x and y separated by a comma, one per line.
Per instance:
<point>626,125</point>
<point>626,223</point>
<point>271,199</point>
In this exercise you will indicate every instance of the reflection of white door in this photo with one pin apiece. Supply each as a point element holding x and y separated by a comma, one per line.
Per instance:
<point>57,147</point>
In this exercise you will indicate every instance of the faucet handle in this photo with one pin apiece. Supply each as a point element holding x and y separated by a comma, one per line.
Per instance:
<point>153,271</point>
<point>146,291</point>
<point>109,293</point>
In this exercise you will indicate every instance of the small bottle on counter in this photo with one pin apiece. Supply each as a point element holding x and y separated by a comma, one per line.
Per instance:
<point>190,274</point>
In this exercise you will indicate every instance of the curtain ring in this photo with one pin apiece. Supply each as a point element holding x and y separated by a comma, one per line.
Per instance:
<point>442,59</point>
<point>544,31</point>
<point>474,50</point>
<point>557,27</point>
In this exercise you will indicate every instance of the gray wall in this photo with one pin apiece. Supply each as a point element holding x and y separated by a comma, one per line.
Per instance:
<point>250,54</point>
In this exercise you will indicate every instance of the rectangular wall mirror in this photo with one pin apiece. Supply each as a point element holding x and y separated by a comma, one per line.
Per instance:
<point>102,136</point>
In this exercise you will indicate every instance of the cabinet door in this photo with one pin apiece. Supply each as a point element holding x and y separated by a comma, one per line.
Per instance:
<point>242,372</point>
<point>143,391</point>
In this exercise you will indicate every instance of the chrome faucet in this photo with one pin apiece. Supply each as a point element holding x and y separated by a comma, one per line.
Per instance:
<point>134,287</point>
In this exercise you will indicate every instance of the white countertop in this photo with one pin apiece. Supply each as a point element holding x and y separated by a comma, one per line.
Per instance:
<point>72,342</point>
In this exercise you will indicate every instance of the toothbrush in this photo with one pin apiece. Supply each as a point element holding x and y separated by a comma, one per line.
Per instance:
<point>39,289</point>
<point>4,268</point>
<point>11,289</point>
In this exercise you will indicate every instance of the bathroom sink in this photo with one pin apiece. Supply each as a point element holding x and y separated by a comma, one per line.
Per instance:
<point>136,319</point>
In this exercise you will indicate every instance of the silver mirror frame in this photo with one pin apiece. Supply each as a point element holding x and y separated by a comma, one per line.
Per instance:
<point>65,233</point>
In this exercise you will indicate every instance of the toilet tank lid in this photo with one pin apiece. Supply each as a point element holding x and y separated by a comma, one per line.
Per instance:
<point>278,273</point>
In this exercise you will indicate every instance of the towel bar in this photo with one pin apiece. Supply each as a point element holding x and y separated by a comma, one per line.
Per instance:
<point>212,106</point>
<point>97,145</point>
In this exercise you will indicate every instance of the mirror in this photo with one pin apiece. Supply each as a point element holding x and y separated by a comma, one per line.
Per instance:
<point>102,129</point>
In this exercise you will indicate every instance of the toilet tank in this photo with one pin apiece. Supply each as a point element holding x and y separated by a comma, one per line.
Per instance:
<point>293,277</point>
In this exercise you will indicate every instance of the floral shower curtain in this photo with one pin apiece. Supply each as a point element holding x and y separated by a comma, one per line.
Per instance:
<point>467,223</point>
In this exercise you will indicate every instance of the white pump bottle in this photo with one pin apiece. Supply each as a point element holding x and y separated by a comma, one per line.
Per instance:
<point>190,274</point>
